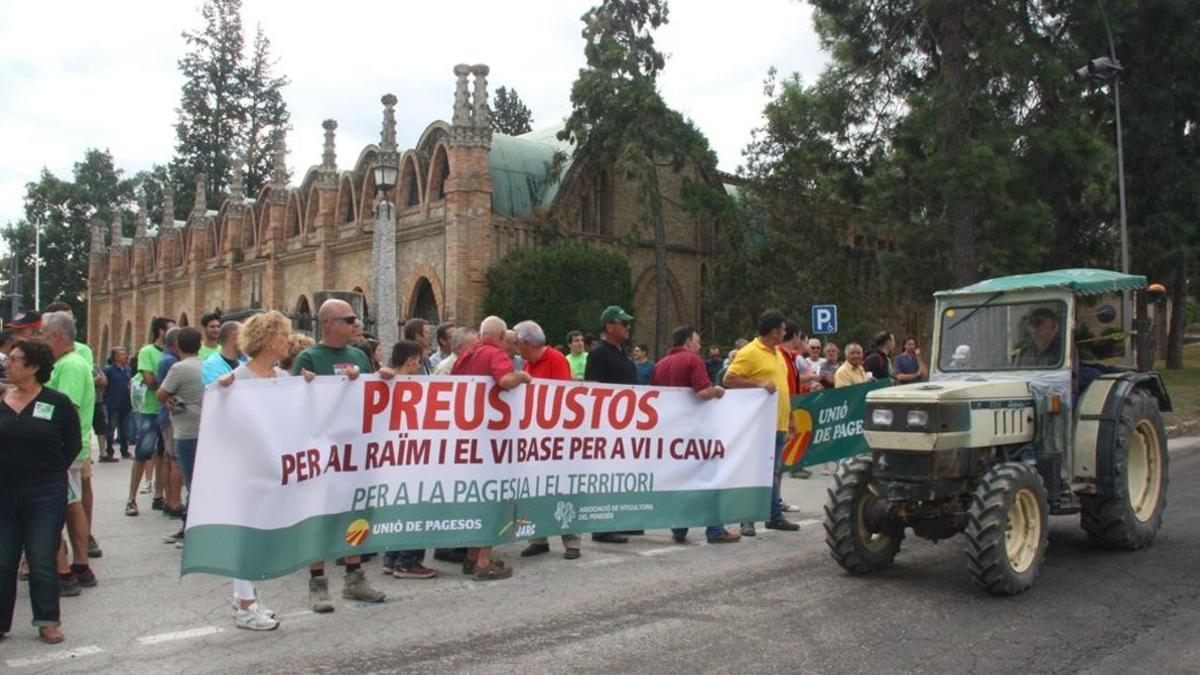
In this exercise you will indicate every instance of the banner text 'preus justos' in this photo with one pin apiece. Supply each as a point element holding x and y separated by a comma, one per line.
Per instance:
<point>470,404</point>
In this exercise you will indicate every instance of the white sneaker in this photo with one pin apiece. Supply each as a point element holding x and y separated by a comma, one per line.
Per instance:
<point>237,607</point>
<point>147,488</point>
<point>254,617</point>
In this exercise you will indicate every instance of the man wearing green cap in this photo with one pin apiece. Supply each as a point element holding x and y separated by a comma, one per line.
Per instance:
<point>609,364</point>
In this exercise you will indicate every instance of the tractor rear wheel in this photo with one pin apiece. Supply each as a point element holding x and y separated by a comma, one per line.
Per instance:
<point>1007,529</point>
<point>851,542</point>
<point>1129,517</point>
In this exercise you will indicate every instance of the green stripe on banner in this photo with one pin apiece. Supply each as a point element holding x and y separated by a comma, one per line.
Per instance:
<point>252,553</point>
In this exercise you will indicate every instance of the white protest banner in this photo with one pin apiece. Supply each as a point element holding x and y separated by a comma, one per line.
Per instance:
<point>290,472</point>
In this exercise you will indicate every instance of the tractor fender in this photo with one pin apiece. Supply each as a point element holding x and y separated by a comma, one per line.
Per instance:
<point>1097,416</point>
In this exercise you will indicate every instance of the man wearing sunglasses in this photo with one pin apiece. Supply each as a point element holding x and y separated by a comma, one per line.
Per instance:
<point>335,355</point>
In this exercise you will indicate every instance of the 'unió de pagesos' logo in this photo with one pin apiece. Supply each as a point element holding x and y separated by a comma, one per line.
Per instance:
<point>564,513</point>
<point>358,531</point>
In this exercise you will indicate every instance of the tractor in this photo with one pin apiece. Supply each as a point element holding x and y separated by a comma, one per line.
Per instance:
<point>1009,429</point>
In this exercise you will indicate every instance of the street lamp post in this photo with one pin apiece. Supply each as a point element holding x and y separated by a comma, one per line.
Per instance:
<point>1108,69</point>
<point>385,172</point>
<point>37,263</point>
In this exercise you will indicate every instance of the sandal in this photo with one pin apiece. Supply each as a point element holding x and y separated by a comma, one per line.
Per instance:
<point>50,638</point>
<point>494,572</point>
<point>131,508</point>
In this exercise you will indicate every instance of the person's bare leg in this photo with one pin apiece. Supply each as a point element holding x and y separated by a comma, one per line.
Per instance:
<point>87,500</point>
<point>161,469</point>
<point>135,478</point>
<point>77,529</point>
<point>174,485</point>
<point>64,566</point>
<point>483,559</point>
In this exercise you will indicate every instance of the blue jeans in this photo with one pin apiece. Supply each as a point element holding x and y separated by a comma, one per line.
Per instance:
<point>711,532</point>
<point>31,518</point>
<point>118,421</point>
<point>149,439</point>
<point>776,500</point>
<point>185,452</point>
<point>405,558</point>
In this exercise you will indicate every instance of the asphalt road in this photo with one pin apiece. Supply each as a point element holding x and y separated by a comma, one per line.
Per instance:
<point>776,603</point>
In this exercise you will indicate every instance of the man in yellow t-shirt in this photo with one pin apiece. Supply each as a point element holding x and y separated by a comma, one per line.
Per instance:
<point>759,365</point>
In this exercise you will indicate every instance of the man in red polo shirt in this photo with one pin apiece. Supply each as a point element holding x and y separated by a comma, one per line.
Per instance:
<point>682,367</point>
<point>544,363</point>
<point>489,358</point>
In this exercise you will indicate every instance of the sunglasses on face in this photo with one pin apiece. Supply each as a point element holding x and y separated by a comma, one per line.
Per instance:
<point>350,320</point>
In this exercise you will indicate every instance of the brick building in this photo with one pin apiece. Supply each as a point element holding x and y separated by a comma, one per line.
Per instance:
<point>465,197</point>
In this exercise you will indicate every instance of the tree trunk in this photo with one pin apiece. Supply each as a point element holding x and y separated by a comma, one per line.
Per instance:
<point>1178,292</point>
<point>961,210</point>
<point>660,264</point>
<point>1143,339</point>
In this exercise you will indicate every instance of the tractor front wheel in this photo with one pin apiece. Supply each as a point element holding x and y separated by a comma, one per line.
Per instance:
<point>850,539</point>
<point>1007,529</point>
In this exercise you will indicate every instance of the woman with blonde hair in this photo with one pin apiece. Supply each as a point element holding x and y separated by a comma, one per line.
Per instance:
<point>265,338</point>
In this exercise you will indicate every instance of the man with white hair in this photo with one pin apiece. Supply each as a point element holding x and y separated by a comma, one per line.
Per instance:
<point>461,339</point>
<point>490,359</point>
<point>545,363</point>
<point>72,376</point>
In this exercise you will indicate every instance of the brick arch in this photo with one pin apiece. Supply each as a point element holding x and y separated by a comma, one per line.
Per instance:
<point>249,233</point>
<point>262,206</point>
<point>439,171</point>
<point>412,283</point>
<point>643,287</point>
<point>366,197</point>
<point>346,210</point>
<point>293,220</point>
<point>410,187</point>
<point>314,203</point>
<point>436,133</point>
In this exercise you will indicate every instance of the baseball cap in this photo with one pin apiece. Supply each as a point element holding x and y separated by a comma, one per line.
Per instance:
<point>30,319</point>
<point>614,313</point>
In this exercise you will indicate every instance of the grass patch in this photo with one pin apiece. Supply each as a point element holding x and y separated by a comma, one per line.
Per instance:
<point>1184,388</point>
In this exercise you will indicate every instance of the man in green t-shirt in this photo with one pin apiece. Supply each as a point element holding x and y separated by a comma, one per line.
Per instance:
<point>72,376</point>
<point>578,357</point>
<point>210,325</point>
<point>149,442</point>
<point>334,355</point>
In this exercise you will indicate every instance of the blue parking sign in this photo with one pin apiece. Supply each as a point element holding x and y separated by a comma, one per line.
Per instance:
<point>824,319</point>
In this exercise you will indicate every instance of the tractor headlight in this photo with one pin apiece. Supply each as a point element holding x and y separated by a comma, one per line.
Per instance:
<point>881,417</point>
<point>917,418</point>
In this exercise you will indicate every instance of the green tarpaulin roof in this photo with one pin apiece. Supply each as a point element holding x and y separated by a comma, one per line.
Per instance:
<point>520,171</point>
<point>1078,281</point>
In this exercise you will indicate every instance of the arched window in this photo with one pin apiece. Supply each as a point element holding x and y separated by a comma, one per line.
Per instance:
<point>304,316</point>
<point>438,175</point>
<point>128,341</point>
<point>424,303</point>
<point>183,320</point>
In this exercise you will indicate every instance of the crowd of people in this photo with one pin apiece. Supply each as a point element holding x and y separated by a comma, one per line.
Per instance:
<point>145,407</point>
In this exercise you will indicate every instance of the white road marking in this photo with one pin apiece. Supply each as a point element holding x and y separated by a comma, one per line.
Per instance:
<point>808,521</point>
<point>600,562</point>
<point>663,551</point>
<point>179,635</point>
<point>54,656</point>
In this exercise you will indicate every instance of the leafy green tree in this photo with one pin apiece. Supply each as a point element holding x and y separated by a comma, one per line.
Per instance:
<point>619,119</point>
<point>542,284</point>
<point>510,115</point>
<point>64,209</point>
<point>1156,43</point>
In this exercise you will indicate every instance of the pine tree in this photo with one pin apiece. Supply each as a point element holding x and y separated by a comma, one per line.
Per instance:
<point>211,109</point>
<point>509,113</point>
<point>619,118</point>
<point>266,113</point>
<point>230,107</point>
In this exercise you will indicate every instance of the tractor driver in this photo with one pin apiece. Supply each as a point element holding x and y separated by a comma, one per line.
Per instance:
<point>1045,347</point>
